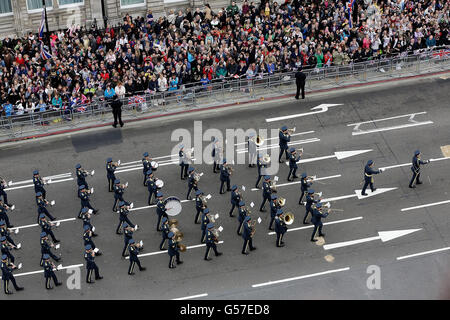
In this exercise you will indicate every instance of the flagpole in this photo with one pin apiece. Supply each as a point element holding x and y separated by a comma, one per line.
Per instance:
<point>46,25</point>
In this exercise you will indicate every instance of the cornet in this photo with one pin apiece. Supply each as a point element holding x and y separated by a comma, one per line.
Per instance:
<point>291,131</point>
<point>88,173</point>
<point>213,218</point>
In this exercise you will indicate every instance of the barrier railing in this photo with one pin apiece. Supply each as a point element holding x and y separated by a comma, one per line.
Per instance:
<point>226,91</point>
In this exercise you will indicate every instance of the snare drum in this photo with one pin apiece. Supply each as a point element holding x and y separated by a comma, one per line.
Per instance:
<point>154,165</point>
<point>173,206</point>
<point>159,183</point>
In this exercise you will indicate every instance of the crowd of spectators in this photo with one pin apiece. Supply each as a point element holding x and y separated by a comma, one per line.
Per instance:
<point>148,54</point>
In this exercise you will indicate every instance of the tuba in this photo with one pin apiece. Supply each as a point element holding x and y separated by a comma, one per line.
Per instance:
<point>281,201</point>
<point>259,141</point>
<point>288,218</point>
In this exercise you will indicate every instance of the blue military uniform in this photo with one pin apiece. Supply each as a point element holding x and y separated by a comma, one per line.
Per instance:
<point>259,164</point>
<point>284,138</point>
<point>110,174</point>
<point>84,197</point>
<point>316,219</point>
<point>46,249</point>
<point>165,232</point>
<point>39,184</point>
<point>4,232</point>
<point>205,221</point>
<point>49,273</point>
<point>118,194</point>
<point>224,177</point>
<point>91,266</point>
<point>243,213</point>
<point>127,236</point>
<point>47,227</point>
<point>247,235</point>
<point>146,167</point>
<point>3,194</point>
<point>173,251</point>
<point>7,275</point>
<point>160,210</point>
<point>215,155</point>
<point>415,168</point>
<point>211,242</point>
<point>87,238</point>
<point>273,209</point>
<point>198,205</point>
<point>42,207</point>
<point>184,165</point>
<point>5,249</point>
<point>309,202</point>
<point>293,164</point>
<point>123,216</point>
<point>81,176</point>
<point>192,184</point>
<point>134,259</point>
<point>4,217</point>
<point>267,192</point>
<point>151,187</point>
<point>280,228</point>
<point>86,218</point>
<point>304,185</point>
<point>235,199</point>
<point>368,177</point>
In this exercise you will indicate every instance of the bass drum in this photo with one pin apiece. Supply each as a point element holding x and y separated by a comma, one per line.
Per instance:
<point>173,206</point>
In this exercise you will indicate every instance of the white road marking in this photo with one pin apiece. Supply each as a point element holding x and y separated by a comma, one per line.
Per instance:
<point>384,119</point>
<point>139,167</point>
<point>154,206</point>
<point>277,138</point>
<point>298,182</point>
<point>426,205</point>
<point>32,185</point>
<point>300,277</point>
<point>422,253</point>
<point>325,223</point>
<point>339,155</point>
<point>42,271</point>
<point>402,126</point>
<point>276,146</point>
<point>192,297</point>
<point>382,235</point>
<point>320,109</point>
<point>409,163</point>
<point>35,224</point>
<point>358,195</point>
<point>165,251</point>
<point>57,176</point>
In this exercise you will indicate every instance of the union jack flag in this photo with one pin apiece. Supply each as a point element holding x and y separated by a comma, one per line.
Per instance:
<point>41,26</point>
<point>44,53</point>
<point>441,53</point>
<point>350,8</point>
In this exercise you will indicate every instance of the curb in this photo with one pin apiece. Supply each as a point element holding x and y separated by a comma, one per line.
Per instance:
<point>220,106</point>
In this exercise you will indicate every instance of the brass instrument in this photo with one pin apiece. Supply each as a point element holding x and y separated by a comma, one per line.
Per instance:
<point>197,177</point>
<point>273,186</point>
<point>182,247</point>
<point>287,218</point>
<point>281,201</point>
<point>291,131</point>
<point>213,218</point>
<point>266,159</point>
<point>259,141</point>
<point>252,225</point>
<point>229,168</point>
<point>87,173</point>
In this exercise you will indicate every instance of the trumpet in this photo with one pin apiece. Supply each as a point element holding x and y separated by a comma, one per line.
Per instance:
<point>197,177</point>
<point>287,218</point>
<point>291,131</point>
<point>252,225</point>
<point>213,218</point>
<point>87,173</point>
<point>229,168</point>
<point>116,164</point>
<point>215,232</point>
<point>273,186</point>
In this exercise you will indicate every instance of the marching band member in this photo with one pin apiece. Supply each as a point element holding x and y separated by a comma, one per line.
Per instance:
<point>160,210</point>
<point>110,169</point>
<point>284,138</point>
<point>84,194</point>
<point>280,228</point>
<point>199,206</point>
<point>7,275</point>
<point>3,193</point>
<point>415,168</point>
<point>4,214</point>
<point>49,273</point>
<point>368,177</point>
<point>119,190</point>
<point>309,202</point>
<point>87,238</point>
<point>42,204</point>
<point>267,193</point>
<point>151,187</point>
<point>215,153</point>
<point>243,213</point>
<point>147,166</point>
<point>192,183</point>
<point>251,145</point>
<point>91,266</point>
<point>205,221</point>
<point>173,251</point>
<point>184,163</point>
<point>274,206</point>
<point>5,248</point>
<point>47,227</point>
<point>211,241</point>
<point>38,183</point>
<point>46,248</point>
<point>260,164</point>
<point>316,219</point>
<point>81,176</point>
<point>248,236</point>
<point>224,176</point>
<point>86,217</point>
<point>165,232</point>
<point>293,158</point>
<point>235,199</point>
<point>133,249</point>
<point>127,236</point>
<point>304,185</point>
<point>123,216</point>
<point>4,232</point>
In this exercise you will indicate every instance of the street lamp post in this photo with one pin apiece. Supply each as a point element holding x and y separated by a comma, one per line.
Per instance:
<point>46,24</point>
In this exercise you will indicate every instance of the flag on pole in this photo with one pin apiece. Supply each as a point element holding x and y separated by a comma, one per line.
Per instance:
<point>44,53</point>
<point>350,8</point>
<point>41,26</point>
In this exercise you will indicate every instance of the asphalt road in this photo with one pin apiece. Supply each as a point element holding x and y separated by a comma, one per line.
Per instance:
<point>308,270</point>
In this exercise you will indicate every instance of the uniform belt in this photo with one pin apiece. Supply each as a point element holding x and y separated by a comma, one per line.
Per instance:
<point>367,175</point>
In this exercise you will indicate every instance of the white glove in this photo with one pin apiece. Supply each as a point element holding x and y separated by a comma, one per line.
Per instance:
<point>381,170</point>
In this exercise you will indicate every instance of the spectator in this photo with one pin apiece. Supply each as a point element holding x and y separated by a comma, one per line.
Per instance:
<point>120,90</point>
<point>57,102</point>
<point>109,92</point>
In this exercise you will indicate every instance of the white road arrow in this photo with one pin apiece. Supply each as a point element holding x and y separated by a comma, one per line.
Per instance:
<point>358,195</point>
<point>338,155</point>
<point>319,109</point>
<point>382,235</point>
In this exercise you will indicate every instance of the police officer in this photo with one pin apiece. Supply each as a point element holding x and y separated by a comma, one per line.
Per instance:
<point>81,176</point>
<point>184,163</point>
<point>415,168</point>
<point>243,213</point>
<point>309,202</point>
<point>280,228</point>
<point>215,153</point>
<point>5,248</point>
<point>147,166</point>
<point>47,227</point>
<point>165,228</point>
<point>116,106</point>
<point>316,219</point>
<point>91,266</point>
<point>260,165</point>
<point>7,275</point>
<point>284,138</point>
<point>236,197</point>
<point>205,221</point>
<point>274,207</point>
<point>39,184</point>
<point>224,176</point>
<point>84,195</point>
<point>110,169</point>
<point>247,235</point>
<point>123,216</point>
<point>42,204</point>
<point>133,249</point>
<point>199,206</point>
<point>160,210</point>
<point>304,185</point>
<point>300,79</point>
<point>86,217</point>
<point>46,248</point>
<point>87,238</point>
<point>119,190</point>
<point>211,241</point>
<point>173,251</point>
<point>293,158</point>
<point>4,232</point>
<point>267,193</point>
<point>368,177</point>
<point>49,273</point>
<point>192,183</point>
<point>4,214</point>
<point>3,194</point>
<point>251,145</point>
